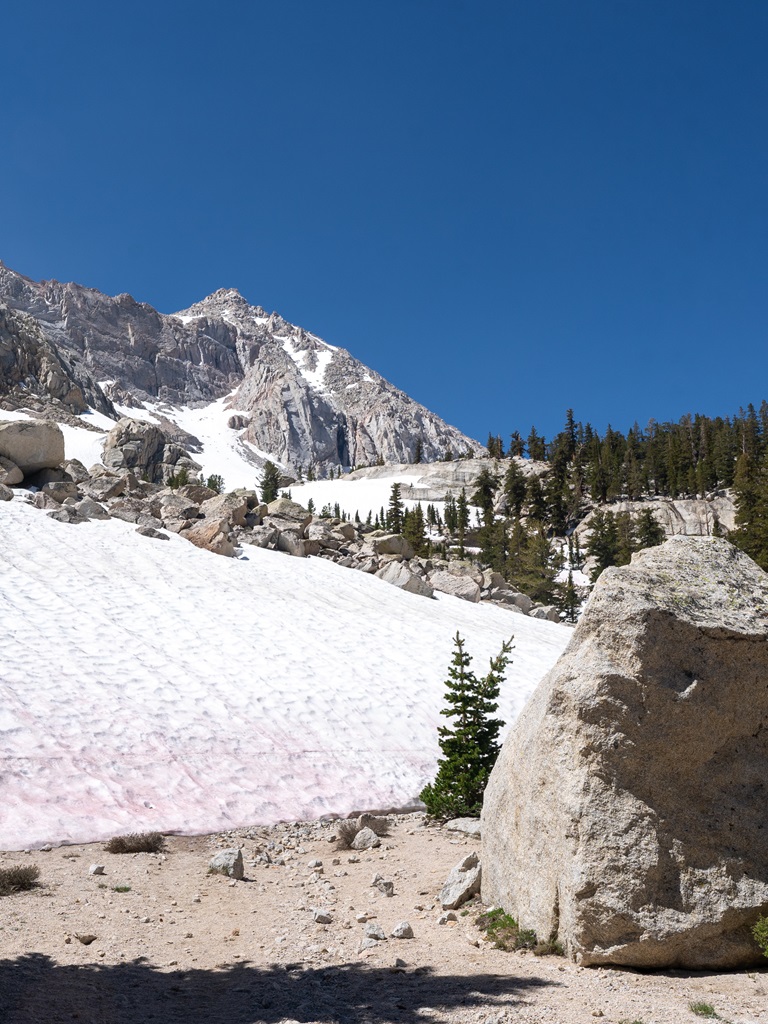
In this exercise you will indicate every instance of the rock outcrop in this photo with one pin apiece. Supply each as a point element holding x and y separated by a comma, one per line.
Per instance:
<point>145,449</point>
<point>627,813</point>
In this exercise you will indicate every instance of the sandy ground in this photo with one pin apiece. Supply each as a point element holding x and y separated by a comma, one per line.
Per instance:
<point>182,945</point>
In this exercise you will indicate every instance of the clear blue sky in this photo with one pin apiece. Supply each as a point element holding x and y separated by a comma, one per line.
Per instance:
<point>507,208</point>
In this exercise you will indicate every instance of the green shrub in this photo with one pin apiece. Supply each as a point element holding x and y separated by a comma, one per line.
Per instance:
<point>760,933</point>
<point>702,1009</point>
<point>18,878</point>
<point>504,931</point>
<point>470,747</point>
<point>215,482</point>
<point>136,842</point>
<point>121,888</point>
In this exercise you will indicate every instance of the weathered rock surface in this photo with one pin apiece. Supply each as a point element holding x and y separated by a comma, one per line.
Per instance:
<point>143,448</point>
<point>32,444</point>
<point>228,862</point>
<point>626,814</point>
<point>400,576</point>
<point>462,883</point>
<point>10,474</point>
<point>210,534</point>
<point>457,586</point>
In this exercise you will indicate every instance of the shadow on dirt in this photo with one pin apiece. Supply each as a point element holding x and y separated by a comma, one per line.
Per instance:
<point>34,988</point>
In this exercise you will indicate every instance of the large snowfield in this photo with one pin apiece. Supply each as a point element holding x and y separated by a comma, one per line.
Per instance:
<point>148,684</point>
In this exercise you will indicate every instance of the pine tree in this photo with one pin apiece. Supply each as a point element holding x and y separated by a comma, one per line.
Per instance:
<point>270,482</point>
<point>414,530</point>
<point>418,454</point>
<point>514,488</point>
<point>462,519</point>
<point>470,745</point>
<point>395,512</point>
<point>648,532</point>
<point>570,601</point>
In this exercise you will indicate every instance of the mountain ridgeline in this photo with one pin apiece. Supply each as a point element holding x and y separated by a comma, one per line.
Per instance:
<point>308,404</point>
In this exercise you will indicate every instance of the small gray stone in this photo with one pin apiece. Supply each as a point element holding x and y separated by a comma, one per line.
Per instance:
<point>366,839</point>
<point>374,931</point>
<point>96,869</point>
<point>227,862</point>
<point>402,930</point>
<point>321,916</point>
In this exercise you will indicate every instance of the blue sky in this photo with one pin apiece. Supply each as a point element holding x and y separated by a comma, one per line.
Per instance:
<point>506,208</point>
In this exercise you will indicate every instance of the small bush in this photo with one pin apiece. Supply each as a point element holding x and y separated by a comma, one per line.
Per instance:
<point>504,931</point>
<point>18,878</point>
<point>121,888</point>
<point>760,933</point>
<point>702,1009</point>
<point>347,829</point>
<point>136,842</point>
<point>549,948</point>
<point>215,482</point>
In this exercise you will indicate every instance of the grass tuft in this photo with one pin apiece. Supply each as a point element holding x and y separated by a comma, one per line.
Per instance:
<point>18,878</point>
<point>703,1009</point>
<point>136,842</point>
<point>347,829</point>
<point>504,932</point>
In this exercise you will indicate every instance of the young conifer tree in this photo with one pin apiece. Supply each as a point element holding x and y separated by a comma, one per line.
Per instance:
<point>470,744</point>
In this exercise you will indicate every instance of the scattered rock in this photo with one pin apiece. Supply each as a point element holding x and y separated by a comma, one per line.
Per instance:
<point>227,862</point>
<point>366,839</point>
<point>400,576</point>
<point>85,939</point>
<point>374,931</point>
<point>402,930</point>
<point>322,917</point>
<point>462,883</point>
<point>150,531</point>
<point>212,535</point>
<point>458,586</point>
<point>96,869</point>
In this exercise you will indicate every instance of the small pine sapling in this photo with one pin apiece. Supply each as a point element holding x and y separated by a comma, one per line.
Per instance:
<point>470,746</point>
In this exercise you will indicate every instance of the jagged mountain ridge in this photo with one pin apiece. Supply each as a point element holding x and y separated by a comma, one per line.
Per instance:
<point>304,401</point>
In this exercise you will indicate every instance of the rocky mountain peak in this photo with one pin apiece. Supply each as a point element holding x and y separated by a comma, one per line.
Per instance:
<point>305,402</point>
<point>227,303</point>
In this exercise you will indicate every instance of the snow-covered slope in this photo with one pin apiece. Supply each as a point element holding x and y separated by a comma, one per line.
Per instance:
<point>149,684</point>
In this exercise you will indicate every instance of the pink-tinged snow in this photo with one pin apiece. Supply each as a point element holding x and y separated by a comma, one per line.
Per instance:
<point>147,684</point>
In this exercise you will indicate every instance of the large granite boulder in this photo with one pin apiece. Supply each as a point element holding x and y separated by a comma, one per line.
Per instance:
<point>32,444</point>
<point>627,815</point>
<point>145,449</point>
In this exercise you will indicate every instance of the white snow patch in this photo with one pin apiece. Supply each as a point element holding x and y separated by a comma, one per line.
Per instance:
<point>152,685</point>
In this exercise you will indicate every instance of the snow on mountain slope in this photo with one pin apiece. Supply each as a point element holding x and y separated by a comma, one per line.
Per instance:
<point>152,685</point>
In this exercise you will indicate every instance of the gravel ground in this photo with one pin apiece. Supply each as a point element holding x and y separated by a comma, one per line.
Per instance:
<point>173,943</point>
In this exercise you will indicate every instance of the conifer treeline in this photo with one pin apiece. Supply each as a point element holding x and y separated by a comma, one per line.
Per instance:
<point>690,458</point>
<point>677,460</point>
